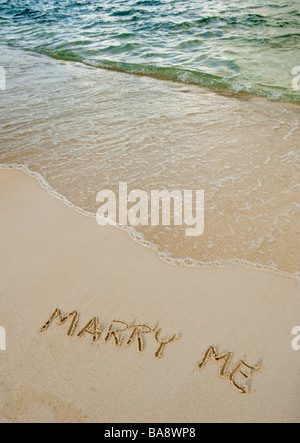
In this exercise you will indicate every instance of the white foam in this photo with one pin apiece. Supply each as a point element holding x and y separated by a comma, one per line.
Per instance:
<point>139,238</point>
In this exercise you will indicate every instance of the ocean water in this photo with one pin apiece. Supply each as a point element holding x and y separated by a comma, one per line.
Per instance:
<point>237,45</point>
<point>213,108</point>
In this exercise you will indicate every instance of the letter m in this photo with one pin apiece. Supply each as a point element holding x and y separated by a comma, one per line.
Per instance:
<point>61,319</point>
<point>211,354</point>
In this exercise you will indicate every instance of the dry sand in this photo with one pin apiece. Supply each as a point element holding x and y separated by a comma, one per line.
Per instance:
<point>52,257</point>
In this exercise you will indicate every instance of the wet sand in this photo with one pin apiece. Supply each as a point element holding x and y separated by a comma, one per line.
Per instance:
<point>86,129</point>
<point>52,257</point>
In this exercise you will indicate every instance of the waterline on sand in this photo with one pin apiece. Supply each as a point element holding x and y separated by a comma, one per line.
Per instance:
<point>139,238</point>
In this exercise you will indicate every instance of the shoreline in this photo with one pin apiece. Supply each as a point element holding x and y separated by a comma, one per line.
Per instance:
<point>221,86</point>
<point>203,147</point>
<point>54,258</point>
<point>134,235</point>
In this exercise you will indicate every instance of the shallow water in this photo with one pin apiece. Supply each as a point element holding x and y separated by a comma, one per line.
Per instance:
<point>85,129</point>
<point>242,46</point>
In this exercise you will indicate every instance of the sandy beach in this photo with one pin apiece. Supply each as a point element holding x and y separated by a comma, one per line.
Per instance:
<point>178,121</point>
<point>52,257</point>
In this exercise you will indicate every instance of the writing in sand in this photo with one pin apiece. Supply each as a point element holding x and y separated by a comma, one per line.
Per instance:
<point>123,333</point>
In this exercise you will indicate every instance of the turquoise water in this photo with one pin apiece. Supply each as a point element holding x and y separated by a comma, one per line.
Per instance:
<point>237,45</point>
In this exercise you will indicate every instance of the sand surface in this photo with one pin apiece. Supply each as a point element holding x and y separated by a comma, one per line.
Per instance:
<point>52,257</point>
